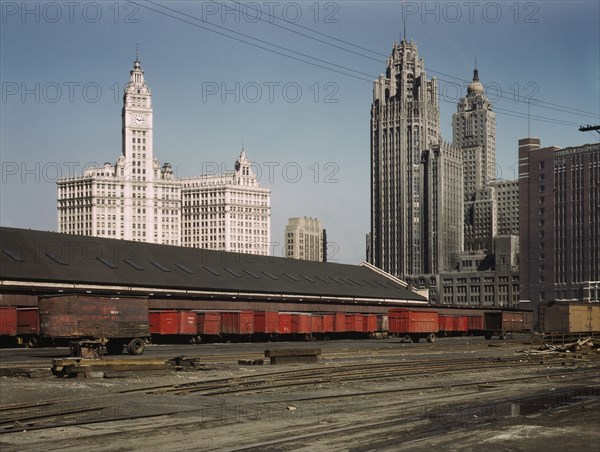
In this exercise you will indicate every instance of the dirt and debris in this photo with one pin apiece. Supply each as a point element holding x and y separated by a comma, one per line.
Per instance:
<point>369,395</point>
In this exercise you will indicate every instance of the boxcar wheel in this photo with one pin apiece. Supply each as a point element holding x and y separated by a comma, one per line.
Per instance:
<point>136,346</point>
<point>114,347</point>
<point>431,338</point>
<point>32,342</point>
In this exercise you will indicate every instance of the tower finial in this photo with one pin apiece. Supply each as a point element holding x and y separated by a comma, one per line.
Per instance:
<point>137,51</point>
<point>475,71</point>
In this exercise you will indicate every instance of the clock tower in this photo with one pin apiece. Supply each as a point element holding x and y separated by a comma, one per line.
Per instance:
<point>137,125</point>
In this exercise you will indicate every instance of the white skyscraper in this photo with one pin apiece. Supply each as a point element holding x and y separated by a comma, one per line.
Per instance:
<point>137,199</point>
<point>134,199</point>
<point>229,212</point>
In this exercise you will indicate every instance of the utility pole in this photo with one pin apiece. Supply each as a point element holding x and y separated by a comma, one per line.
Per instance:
<point>590,128</point>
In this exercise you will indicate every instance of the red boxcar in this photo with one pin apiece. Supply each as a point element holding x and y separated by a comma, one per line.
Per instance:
<point>328,323</point>
<point>370,323</point>
<point>340,322</point>
<point>163,322</point>
<point>28,322</point>
<point>415,324</point>
<point>241,322</point>
<point>475,322</point>
<point>301,324</point>
<point>209,323</point>
<point>317,323</point>
<point>354,323</point>
<point>187,323</point>
<point>266,322</point>
<point>8,321</point>
<point>285,323</point>
<point>453,323</point>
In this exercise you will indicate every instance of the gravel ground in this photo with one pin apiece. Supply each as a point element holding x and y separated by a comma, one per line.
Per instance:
<point>471,409</point>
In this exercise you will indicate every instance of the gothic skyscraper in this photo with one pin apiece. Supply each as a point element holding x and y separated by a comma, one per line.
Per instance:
<point>416,178</point>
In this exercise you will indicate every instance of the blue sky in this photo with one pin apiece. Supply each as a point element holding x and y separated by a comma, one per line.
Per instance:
<point>64,66</point>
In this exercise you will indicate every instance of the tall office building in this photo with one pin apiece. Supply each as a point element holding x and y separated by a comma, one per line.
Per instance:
<point>229,212</point>
<point>304,237</point>
<point>134,199</point>
<point>474,132</point>
<point>406,147</point>
<point>137,199</point>
<point>559,220</point>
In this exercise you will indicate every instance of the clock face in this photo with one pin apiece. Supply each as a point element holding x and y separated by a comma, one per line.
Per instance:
<point>139,119</point>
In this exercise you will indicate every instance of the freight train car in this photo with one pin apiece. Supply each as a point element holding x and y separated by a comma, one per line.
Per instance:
<point>237,324</point>
<point>266,323</point>
<point>453,325</point>
<point>19,326</point>
<point>504,323</point>
<point>8,324</point>
<point>569,318</point>
<point>208,326</point>
<point>416,325</point>
<point>115,322</point>
<point>28,326</point>
<point>173,326</point>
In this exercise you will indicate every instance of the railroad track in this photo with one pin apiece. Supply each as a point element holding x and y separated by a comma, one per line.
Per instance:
<point>402,349</point>
<point>19,417</point>
<point>413,420</point>
<point>336,375</point>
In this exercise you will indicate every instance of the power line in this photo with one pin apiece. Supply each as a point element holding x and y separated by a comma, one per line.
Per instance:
<point>311,30</point>
<point>253,44</point>
<point>373,77</point>
<point>539,102</point>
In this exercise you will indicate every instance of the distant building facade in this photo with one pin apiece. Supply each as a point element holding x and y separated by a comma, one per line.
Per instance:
<point>559,222</point>
<point>492,211</point>
<point>304,239</point>
<point>482,279</point>
<point>138,199</point>
<point>230,212</point>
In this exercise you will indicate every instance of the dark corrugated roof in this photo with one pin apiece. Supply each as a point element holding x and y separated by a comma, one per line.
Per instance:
<point>51,257</point>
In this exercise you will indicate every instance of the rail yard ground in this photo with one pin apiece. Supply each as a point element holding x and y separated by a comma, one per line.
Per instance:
<point>457,394</point>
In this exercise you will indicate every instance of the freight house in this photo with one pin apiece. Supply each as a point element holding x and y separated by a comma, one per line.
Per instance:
<point>38,263</point>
